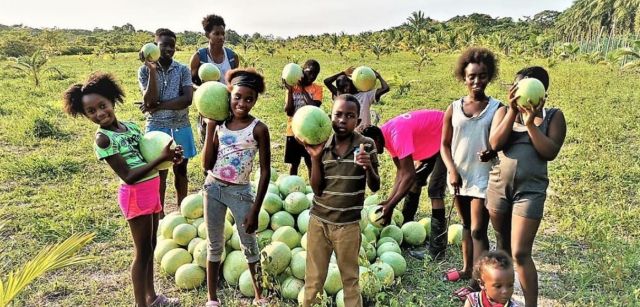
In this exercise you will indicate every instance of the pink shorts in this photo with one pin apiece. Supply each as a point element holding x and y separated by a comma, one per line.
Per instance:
<point>139,199</point>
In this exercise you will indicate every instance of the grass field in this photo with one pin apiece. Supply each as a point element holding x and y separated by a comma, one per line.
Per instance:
<point>587,250</point>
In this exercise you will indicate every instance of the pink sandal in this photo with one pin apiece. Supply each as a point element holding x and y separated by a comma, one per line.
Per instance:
<point>161,301</point>
<point>215,303</point>
<point>261,302</point>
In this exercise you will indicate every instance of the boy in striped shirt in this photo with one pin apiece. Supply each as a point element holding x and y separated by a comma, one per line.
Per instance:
<point>340,170</point>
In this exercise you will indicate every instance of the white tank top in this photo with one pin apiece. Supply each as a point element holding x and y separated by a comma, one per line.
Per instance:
<point>223,67</point>
<point>470,136</point>
<point>236,151</point>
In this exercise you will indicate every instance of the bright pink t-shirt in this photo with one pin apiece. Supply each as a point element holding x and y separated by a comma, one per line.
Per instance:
<point>417,133</point>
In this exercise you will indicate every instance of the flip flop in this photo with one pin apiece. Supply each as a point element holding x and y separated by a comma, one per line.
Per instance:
<point>462,293</point>
<point>215,303</point>
<point>161,301</point>
<point>261,302</point>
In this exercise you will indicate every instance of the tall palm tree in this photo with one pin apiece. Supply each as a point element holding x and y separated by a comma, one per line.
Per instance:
<point>417,21</point>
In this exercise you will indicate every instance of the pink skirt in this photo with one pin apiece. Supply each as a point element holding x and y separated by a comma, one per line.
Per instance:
<point>139,199</point>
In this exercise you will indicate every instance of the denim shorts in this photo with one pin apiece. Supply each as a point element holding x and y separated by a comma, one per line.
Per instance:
<point>182,136</point>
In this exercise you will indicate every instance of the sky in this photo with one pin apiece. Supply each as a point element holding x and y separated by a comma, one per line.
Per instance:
<point>278,17</point>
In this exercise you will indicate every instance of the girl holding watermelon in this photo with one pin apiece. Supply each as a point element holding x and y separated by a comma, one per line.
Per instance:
<point>117,143</point>
<point>526,138</point>
<point>227,157</point>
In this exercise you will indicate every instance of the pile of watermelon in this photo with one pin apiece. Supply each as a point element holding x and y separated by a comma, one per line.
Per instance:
<point>282,237</point>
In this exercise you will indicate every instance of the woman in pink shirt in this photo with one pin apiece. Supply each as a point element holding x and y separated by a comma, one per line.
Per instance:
<point>410,137</point>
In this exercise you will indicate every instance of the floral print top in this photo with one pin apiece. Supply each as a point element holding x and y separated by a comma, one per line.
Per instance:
<point>236,151</point>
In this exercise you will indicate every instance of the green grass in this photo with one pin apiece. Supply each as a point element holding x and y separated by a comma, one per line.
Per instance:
<point>587,249</point>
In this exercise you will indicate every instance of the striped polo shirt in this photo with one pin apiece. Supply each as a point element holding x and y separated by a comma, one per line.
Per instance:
<point>344,183</point>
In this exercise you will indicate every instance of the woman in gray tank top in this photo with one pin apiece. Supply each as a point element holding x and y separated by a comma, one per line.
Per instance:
<point>526,139</point>
<point>465,140</point>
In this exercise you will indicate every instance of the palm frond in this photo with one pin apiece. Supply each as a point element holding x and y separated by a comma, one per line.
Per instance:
<point>631,65</point>
<point>50,258</point>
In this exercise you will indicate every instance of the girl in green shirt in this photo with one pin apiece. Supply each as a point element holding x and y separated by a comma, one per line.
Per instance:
<point>117,143</point>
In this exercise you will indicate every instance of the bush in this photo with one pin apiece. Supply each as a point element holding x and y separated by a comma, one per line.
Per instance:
<point>17,48</point>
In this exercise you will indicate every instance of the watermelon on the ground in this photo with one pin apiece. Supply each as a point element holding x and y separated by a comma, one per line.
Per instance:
<point>388,247</point>
<point>272,203</point>
<point>264,237</point>
<point>192,206</point>
<point>202,231</point>
<point>234,242</point>
<point>275,257</point>
<point>170,222</point>
<point>396,261</point>
<point>163,246</point>
<point>189,276</point>
<point>184,233</point>
<point>291,183</point>
<point>263,220</point>
<point>392,231</point>
<point>193,243</point>
<point>397,217</point>
<point>245,284</point>
<point>333,283</point>
<point>234,264</point>
<point>282,218</point>
<point>384,272</point>
<point>372,200</point>
<point>173,259</point>
<point>303,221</point>
<point>291,287</point>
<point>287,235</point>
<point>296,202</point>
<point>455,234</point>
<point>385,240</point>
<point>298,264</point>
<point>414,233</point>
<point>196,223</point>
<point>426,223</point>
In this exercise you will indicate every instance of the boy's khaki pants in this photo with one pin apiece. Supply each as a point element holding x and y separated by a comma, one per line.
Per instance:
<point>322,239</point>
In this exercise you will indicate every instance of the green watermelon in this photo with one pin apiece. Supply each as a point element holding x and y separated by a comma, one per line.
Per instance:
<point>246,285</point>
<point>275,257</point>
<point>291,287</point>
<point>384,272</point>
<point>192,206</point>
<point>333,283</point>
<point>234,264</point>
<point>173,259</point>
<point>291,183</point>
<point>396,261</point>
<point>287,235</point>
<point>392,231</point>
<point>414,233</point>
<point>282,218</point>
<point>388,247</point>
<point>272,203</point>
<point>303,221</point>
<point>298,264</point>
<point>189,276</point>
<point>296,202</point>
